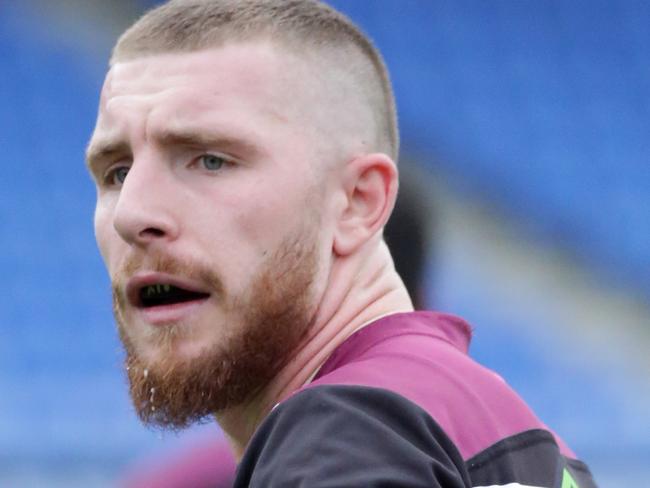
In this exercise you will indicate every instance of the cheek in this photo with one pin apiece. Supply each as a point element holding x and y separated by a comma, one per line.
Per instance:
<point>103,225</point>
<point>276,210</point>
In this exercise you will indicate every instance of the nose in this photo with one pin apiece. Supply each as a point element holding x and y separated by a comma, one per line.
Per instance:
<point>144,213</point>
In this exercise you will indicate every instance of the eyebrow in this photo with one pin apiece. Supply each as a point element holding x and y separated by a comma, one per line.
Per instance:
<point>100,150</point>
<point>199,138</point>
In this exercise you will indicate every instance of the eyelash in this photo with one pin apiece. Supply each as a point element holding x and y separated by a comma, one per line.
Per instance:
<point>225,161</point>
<point>110,175</point>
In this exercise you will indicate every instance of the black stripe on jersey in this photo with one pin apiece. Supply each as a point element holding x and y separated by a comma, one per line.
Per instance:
<point>529,458</point>
<point>350,436</point>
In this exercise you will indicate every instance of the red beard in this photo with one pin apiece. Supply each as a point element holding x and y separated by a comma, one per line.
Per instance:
<point>272,320</point>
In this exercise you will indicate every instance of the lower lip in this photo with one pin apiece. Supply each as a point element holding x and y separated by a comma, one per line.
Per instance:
<point>170,314</point>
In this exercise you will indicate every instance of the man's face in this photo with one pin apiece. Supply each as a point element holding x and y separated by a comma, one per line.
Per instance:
<point>209,219</point>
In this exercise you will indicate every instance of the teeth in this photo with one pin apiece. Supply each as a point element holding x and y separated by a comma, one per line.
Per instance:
<point>157,289</point>
<point>158,294</point>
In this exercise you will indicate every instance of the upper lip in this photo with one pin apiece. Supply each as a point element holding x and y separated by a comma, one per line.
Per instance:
<point>140,280</point>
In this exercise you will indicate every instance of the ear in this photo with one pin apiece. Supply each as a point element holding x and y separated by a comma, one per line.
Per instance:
<point>370,184</point>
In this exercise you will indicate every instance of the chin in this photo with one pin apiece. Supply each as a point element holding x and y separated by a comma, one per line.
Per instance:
<point>175,351</point>
<point>190,350</point>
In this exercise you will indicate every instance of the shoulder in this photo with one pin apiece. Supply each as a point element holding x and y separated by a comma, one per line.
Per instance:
<point>423,358</point>
<point>337,435</point>
<point>402,404</point>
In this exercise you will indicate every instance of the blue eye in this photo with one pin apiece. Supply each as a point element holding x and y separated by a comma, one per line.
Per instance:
<point>212,162</point>
<point>117,175</point>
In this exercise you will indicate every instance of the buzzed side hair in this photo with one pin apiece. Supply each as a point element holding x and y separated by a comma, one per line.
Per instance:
<point>302,25</point>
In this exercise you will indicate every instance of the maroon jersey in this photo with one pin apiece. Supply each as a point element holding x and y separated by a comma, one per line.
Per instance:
<point>401,404</point>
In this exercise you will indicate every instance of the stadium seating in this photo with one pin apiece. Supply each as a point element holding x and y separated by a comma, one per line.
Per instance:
<point>540,108</point>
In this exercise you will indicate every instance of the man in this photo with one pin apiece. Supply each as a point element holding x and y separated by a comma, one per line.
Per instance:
<point>208,463</point>
<point>244,157</point>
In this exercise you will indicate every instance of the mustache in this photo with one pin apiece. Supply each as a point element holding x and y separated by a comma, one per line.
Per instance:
<point>161,262</point>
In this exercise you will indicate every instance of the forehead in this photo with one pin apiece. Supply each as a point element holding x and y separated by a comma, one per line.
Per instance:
<point>255,76</point>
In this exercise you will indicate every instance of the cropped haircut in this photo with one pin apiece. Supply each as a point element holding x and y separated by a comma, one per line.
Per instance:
<point>307,27</point>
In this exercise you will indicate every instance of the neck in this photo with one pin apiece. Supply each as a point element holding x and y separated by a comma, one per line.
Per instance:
<point>360,289</point>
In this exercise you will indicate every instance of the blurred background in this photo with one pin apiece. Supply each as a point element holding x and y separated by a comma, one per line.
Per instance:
<point>526,124</point>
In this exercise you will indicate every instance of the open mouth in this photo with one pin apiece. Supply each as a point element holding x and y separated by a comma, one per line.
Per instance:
<point>159,294</point>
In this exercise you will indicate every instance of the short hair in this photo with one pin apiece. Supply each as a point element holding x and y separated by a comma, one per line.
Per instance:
<point>302,25</point>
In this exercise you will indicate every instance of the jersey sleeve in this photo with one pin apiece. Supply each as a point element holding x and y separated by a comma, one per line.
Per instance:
<point>350,436</point>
